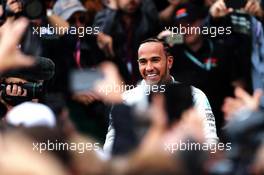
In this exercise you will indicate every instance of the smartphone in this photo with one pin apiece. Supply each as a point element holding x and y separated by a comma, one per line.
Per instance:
<point>84,80</point>
<point>175,39</point>
<point>178,99</point>
<point>235,4</point>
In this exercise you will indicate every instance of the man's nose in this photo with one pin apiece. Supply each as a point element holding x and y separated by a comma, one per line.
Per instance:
<point>149,66</point>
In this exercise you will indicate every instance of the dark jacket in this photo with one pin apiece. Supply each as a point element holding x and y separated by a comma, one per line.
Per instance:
<point>127,41</point>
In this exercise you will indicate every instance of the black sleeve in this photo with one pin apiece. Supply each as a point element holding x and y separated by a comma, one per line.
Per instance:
<point>123,122</point>
<point>104,20</point>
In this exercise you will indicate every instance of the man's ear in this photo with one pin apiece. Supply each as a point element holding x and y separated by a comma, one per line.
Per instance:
<point>170,61</point>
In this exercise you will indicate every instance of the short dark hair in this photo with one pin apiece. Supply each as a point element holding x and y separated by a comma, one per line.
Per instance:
<point>167,48</point>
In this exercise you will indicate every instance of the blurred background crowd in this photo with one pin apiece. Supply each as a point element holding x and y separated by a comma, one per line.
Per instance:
<point>51,86</point>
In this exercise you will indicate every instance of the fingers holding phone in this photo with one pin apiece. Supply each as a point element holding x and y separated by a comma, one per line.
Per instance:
<point>253,7</point>
<point>222,8</point>
<point>86,98</point>
<point>103,83</point>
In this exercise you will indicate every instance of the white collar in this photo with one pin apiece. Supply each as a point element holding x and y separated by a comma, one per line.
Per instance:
<point>143,82</point>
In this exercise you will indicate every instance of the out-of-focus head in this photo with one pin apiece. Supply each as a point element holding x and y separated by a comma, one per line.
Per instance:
<point>18,157</point>
<point>189,13</point>
<point>96,159</point>
<point>190,17</point>
<point>31,114</point>
<point>78,19</point>
<point>66,8</point>
<point>128,6</point>
<point>154,61</point>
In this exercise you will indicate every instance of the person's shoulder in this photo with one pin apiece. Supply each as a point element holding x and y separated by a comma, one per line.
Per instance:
<point>199,98</point>
<point>107,11</point>
<point>134,94</point>
<point>197,91</point>
<point>104,14</point>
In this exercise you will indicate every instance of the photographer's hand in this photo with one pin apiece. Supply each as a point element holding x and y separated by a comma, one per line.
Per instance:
<point>15,90</point>
<point>242,100</point>
<point>86,98</point>
<point>12,90</point>
<point>105,43</point>
<point>11,57</point>
<point>219,9</point>
<point>160,134</point>
<point>112,79</point>
<point>109,89</point>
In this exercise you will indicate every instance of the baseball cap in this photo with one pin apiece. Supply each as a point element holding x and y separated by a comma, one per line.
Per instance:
<point>29,114</point>
<point>189,12</point>
<point>66,8</point>
<point>43,69</point>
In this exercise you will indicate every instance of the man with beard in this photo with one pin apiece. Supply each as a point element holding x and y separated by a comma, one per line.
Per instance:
<point>155,62</point>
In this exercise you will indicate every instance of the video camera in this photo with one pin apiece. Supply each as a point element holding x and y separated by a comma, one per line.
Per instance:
<point>34,91</point>
<point>31,9</point>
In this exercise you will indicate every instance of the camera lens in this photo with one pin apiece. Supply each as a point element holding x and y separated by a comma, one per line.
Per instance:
<point>33,9</point>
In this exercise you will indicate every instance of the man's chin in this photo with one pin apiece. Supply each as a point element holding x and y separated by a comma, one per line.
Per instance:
<point>130,12</point>
<point>152,82</point>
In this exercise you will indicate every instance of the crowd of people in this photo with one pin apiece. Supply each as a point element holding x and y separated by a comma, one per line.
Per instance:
<point>125,87</point>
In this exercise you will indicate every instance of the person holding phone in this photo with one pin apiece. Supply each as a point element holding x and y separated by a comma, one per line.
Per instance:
<point>222,8</point>
<point>200,60</point>
<point>248,30</point>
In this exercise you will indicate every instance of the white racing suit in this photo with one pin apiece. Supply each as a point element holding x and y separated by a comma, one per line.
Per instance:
<point>137,96</point>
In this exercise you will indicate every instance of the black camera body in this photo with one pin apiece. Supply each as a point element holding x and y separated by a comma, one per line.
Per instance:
<point>34,90</point>
<point>236,4</point>
<point>32,9</point>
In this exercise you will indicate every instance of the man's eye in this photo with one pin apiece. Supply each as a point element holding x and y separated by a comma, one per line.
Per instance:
<point>155,60</point>
<point>142,62</point>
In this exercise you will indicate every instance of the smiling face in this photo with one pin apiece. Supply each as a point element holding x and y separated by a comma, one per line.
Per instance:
<point>154,64</point>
